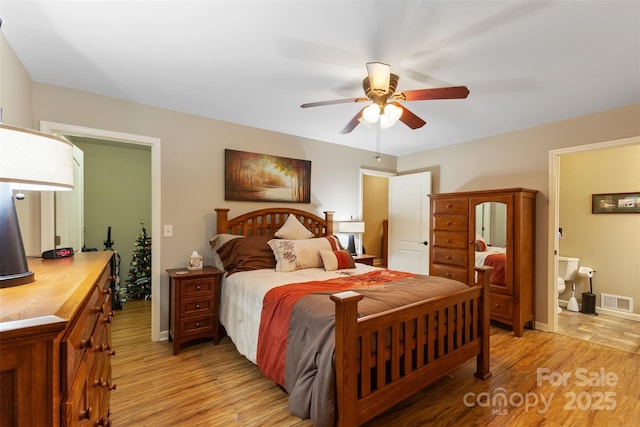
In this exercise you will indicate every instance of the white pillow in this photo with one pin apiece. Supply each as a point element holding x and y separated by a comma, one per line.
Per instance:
<point>292,229</point>
<point>294,255</point>
<point>217,241</point>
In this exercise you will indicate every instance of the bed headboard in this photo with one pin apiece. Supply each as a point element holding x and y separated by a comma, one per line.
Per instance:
<point>265,222</point>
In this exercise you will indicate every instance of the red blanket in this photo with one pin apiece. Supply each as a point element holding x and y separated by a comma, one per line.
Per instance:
<point>496,261</point>
<point>276,312</point>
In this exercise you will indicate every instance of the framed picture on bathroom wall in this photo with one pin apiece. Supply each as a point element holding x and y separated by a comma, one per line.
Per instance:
<point>615,203</point>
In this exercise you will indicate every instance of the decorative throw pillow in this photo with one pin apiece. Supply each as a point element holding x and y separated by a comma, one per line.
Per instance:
<point>292,229</point>
<point>294,255</point>
<point>216,242</point>
<point>249,253</point>
<point>481,246</point>
<point>336,260</point>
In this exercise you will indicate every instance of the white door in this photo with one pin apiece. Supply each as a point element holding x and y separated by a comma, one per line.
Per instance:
<point>69,228</point>
<point>409,222</point>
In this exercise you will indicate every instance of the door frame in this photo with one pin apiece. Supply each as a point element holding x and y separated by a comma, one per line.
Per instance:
<point>47,204</point>
<point>554,218</point>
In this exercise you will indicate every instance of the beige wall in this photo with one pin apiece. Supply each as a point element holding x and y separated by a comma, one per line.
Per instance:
<point>608,243</point>
<point>521,159</point>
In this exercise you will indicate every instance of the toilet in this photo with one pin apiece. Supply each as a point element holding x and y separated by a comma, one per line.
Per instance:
<point>567,269</point>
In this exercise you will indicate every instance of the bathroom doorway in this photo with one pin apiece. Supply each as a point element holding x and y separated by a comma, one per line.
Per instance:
<point>599,241</point>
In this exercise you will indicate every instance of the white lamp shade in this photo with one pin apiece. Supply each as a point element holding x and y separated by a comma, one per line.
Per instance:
<point>350,227</point>
<point>391,115</point>
<point>31,160</point>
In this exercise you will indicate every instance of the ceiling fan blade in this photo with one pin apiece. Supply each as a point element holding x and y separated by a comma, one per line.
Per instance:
<point>409,118</point>
<point>453,92</point>
<point>333,102</point>
<point>354,122</point>
<point>379,75</point>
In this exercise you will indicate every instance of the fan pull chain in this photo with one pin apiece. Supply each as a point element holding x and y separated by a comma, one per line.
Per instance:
<point>378,142</point>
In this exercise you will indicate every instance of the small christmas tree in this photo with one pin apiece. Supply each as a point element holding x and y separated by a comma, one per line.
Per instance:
<point>139,281</point>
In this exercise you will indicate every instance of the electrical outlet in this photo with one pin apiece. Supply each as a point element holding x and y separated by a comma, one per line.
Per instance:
<point>168,231</point>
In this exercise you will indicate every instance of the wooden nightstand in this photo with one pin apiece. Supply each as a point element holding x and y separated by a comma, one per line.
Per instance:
<point>364,259</point>
<point>194,305</point>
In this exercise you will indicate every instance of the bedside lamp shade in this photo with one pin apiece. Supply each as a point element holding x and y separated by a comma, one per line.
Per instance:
<point>29,160</point>
<point>351,228</point>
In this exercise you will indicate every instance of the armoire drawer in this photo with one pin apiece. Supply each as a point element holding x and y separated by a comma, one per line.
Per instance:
<point>458,257</point>
<point>501,307</point>
<point>451,206</point>
<point>454,240</point>
<point>449,272</point>
<point>458,223</point>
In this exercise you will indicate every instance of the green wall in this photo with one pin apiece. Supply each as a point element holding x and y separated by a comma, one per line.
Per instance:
<point>117,193</point>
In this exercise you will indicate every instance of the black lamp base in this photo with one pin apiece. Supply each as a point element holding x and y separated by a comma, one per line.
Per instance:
<point>17,279</point>
<point>351,247</point>
<point>14,269</point>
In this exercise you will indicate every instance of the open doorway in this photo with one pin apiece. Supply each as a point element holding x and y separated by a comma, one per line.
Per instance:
<point>154,227</point>
<point>597,241</point>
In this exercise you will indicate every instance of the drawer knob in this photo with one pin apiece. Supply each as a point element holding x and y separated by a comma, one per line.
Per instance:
<point>86,343</point>
<point>86,414</point>
<point>197,324</point>
<point>197,305</point>
<point>197,287</point>
<point>448,257</point>
<point>449,206</point>
<point>496,305</point>
<point>449,223</point>
<point>448,240</point>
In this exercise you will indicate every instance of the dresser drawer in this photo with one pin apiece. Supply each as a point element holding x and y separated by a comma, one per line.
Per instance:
<point>449,272</point>
<point>458,223</point>
<point>454,240</point>
<point>80,338</point>
<point>197,325</point>
<point>501,307</point>
<point>196,306</point>
<point>457,257</point>
<point>451,206</point>
<point>197,287</point>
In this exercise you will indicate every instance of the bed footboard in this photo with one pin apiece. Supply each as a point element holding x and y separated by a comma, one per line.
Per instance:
<point>382,359</point>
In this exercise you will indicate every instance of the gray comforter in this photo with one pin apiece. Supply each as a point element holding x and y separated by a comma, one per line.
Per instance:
<point>309,368</point>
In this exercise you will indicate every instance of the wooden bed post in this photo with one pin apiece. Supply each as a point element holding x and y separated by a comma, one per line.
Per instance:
<point>328,218</point>
<point>482,360</point>
<point>221,220</point>
<point>346,357</point>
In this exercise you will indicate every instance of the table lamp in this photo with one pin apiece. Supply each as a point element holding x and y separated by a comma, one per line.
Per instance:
<point>29,160</point>
<point>351,228</point>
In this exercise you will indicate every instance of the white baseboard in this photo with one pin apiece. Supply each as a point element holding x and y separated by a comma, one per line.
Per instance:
<point>613,313</point>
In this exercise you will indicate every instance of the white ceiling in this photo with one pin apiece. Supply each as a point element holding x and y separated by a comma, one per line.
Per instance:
<point>254,62</point>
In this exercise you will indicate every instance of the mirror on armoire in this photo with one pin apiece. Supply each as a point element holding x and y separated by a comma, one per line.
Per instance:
<point>491,239</point>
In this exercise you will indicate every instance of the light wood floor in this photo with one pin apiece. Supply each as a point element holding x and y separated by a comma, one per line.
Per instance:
<point>605,330</point>
<point>207,385</point>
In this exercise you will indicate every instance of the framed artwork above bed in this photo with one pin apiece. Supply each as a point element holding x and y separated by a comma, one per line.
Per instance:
<point>264,178</point>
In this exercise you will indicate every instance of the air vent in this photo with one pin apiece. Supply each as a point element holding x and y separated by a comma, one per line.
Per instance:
<point>616,302</point>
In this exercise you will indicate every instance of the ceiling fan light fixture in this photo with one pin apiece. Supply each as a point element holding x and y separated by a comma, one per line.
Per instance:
<point>371,114</point>
<point>391,115</point>
<point>379,75</point>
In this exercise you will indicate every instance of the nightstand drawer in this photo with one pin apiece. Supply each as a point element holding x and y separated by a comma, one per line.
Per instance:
<point>201,325</point>
<point>196,287</point>
<point>196,306</point>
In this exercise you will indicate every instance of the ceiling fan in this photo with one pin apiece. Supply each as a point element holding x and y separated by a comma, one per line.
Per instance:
<point>380,88</point>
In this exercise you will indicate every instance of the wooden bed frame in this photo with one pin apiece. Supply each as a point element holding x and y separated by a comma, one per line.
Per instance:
<point>450,330</point>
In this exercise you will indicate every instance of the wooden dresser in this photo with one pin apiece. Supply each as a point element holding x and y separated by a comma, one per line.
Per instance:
<point>55,344</point>
<point>455,221</point>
